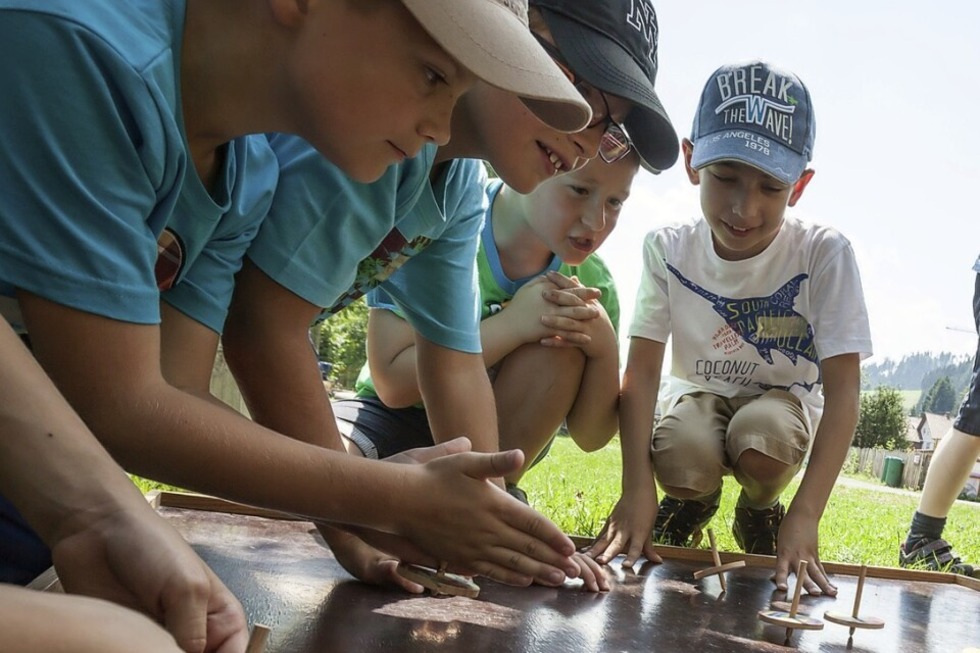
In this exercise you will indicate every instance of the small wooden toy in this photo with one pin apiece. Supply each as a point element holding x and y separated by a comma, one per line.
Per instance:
<point>258,639</point>
<point>439,582</point>
<point>719,569</point>
<point>853,620</point>
<point>791,620</point>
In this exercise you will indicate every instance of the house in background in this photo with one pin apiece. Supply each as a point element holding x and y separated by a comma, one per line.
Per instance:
<point>929,429</point>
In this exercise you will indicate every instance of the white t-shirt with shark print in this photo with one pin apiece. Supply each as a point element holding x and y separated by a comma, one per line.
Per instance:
<point>740,328</point>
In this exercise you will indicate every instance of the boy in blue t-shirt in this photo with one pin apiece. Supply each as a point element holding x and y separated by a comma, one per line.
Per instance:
<point>550,363</point>
<point>308,257</point>
<point>152,182</point>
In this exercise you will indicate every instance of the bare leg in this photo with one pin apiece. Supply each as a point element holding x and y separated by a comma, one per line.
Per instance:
<point>762,478</point>
<point>948,472</point>
<point>535,388</point>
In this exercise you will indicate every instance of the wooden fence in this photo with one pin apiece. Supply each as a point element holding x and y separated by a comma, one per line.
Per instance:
<point>223,384</point>
<point>872,461</point>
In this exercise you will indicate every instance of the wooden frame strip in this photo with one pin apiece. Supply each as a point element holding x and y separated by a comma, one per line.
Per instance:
<point>189,501</point>
<point>844,568</point>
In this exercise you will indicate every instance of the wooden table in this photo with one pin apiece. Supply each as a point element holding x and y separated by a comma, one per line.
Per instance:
<point>288,580</point>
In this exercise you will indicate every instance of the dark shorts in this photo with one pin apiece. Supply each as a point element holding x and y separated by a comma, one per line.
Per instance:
<point>968,419</point>
<point>380,431</point>
<point>23,556</point>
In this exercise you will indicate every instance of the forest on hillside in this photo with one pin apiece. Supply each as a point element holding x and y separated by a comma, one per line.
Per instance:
<point>918,371</point>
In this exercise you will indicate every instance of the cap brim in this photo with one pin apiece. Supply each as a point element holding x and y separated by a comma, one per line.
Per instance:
<point>603,63</point>
<point>492,42</point>
<point>781,163</point>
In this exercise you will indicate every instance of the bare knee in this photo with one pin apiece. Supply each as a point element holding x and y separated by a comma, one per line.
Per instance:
<point>761,469</point>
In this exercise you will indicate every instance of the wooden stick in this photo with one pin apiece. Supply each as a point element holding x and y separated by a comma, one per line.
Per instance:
<point>257,641</point>
<point>717,558</point>
<point>857,598</point>
<point>719,569</point>
<point>854,621</point>
<point>800,575</point>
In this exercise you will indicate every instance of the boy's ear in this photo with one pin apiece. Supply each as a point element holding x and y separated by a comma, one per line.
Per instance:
<point>800,186</point>
<point>692,174</point>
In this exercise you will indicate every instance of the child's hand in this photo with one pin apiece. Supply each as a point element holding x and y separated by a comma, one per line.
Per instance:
<point>133,557</point>
<point>591,572</point>
<point>595,335</point>
<point>534,317</point>
<point>797,540</point>
<point>364,562</point>
<point>628,530</point>
<point>463,519</point>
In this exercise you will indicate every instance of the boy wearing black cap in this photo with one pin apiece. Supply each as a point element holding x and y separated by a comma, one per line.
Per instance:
<point>612,45</point>
<point>424,255</point>
<point>768,327</point>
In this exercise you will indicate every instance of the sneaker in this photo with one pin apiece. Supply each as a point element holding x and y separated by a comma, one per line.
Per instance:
<point>517,493</point>
<point>679,521</point>
<point>756,530</point>
<point>935,555</point>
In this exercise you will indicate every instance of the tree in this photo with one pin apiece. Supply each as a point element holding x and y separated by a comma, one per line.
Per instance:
<point>941,398</point>
<point>881,422</point>
<point>341,342</point>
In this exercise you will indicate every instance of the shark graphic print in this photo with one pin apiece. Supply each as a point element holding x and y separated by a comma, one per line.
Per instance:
<point>769,324</point>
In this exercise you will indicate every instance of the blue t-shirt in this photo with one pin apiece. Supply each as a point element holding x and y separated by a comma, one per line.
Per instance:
<point>329,239</point>
<point>94,165</point>
<point>495,288</point>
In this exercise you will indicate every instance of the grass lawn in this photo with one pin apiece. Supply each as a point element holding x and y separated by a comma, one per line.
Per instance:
<point>577,491</point>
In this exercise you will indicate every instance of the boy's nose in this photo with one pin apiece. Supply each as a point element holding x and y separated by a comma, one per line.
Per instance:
<point>435,126</point>
<point>587,142</point>
<point>595,218</point>
<point>745,206</point>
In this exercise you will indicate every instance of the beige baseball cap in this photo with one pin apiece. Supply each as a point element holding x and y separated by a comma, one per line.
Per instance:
<point>491,38</point>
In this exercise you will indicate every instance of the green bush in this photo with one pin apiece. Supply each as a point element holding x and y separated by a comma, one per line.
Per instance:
<point>341,342</point>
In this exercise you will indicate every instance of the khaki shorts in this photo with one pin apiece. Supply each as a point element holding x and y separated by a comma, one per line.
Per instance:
<point>699,440</point>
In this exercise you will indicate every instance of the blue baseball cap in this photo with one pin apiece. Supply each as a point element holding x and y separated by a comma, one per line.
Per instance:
<point>757,114</point>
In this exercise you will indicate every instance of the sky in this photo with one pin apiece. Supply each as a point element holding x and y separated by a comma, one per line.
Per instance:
<point>896,92</point>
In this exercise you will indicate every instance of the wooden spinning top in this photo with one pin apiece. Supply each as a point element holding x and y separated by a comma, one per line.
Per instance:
<point>439,582</point>
<point>853,621</point>
<point>791,620</point>
<point>258,638</point>
<point>719,569</point>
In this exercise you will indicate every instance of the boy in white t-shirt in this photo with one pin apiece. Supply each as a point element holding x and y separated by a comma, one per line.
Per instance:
<point>768,328</point>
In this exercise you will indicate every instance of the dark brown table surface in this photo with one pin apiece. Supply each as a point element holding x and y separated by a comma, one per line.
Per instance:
<point>289,581</point>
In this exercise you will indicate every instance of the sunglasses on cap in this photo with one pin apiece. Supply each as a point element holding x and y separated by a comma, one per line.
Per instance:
<point>615,142</point>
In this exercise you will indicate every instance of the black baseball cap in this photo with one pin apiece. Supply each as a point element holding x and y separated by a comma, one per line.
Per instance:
<point>612,44</point>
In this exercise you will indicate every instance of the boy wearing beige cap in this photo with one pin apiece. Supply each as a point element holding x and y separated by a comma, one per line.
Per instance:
<point>158,178</point>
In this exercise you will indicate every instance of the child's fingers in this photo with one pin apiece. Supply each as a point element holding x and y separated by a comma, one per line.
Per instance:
<point>561,280</point>
<point>425,454</point>
<point>650,553</point>
<point>592,576</point>
<point>572,296</point>
<point>782,574</point>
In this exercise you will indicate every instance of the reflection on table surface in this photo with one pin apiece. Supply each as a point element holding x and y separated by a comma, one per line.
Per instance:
<point>288,580</point>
